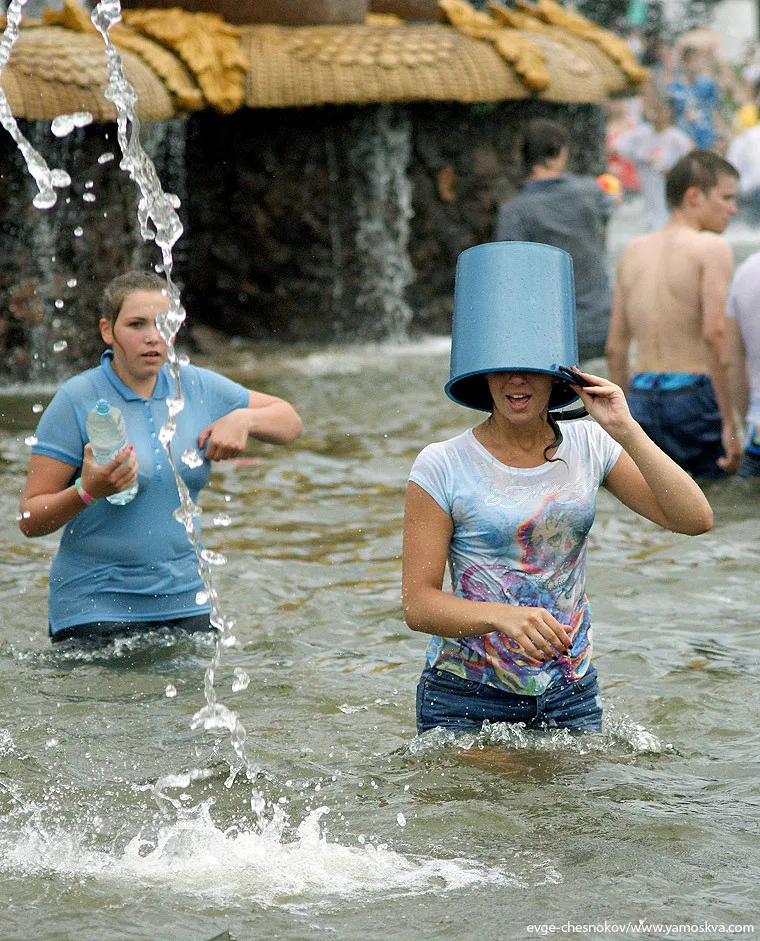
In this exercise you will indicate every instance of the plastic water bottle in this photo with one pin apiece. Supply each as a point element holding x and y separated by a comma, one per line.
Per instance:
<point>108,435</point>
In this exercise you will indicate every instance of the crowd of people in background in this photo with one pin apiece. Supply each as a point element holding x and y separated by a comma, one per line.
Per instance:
<point>694,99</point>
<point>677,328</point>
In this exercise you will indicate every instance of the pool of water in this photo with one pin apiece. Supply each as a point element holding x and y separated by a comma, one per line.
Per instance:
<point>121,817</point>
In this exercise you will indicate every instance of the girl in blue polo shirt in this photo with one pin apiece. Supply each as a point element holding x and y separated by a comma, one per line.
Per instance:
<point>122,569</point>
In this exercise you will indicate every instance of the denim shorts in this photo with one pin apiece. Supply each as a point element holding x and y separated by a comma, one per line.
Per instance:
<point>99,633</point>
<point>684,422</point>
<point>447,701</point>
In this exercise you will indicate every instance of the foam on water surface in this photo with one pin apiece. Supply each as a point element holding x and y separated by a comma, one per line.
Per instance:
<point>237,867</point>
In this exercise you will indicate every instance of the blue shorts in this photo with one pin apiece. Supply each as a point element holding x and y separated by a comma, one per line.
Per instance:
<point>749,465</point>
<point>99,633</point>
<point>447,701</point>
<point>685,422</point>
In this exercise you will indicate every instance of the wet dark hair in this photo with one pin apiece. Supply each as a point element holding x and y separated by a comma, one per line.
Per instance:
<point>542,140</point>
<point>116,291</point>
<point>700,168</point>
<point>554,425</point>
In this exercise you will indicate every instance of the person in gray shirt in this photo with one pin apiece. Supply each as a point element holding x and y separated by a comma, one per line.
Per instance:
<point>569,212</point>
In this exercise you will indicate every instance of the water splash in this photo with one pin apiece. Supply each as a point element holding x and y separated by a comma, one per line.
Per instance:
<point>274,865</point>
<point>47,180</point>
<point>159,222</point>
<point>619,731</point>
<point>65,123</point>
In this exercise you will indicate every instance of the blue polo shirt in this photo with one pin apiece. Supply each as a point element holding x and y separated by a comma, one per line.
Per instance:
<point>133,562</point>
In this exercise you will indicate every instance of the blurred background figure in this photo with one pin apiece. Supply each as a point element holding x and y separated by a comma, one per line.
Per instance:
<point>622,118</point>
<point>748,114</point>
<point>653,146</point>
<point>695,95</point>
<point>570,212</point>
<point>744,154</point>
<point>743,345</point>
<point>750,67</point>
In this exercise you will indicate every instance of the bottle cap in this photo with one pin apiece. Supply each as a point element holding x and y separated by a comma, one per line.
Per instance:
<point>102,407</point>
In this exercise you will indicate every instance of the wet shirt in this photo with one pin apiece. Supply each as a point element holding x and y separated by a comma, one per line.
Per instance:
<point>132,562</point>
<point>519,538</point>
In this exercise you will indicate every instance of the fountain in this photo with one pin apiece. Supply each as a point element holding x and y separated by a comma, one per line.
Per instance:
<point>270,133</point>
<point>419,829</point>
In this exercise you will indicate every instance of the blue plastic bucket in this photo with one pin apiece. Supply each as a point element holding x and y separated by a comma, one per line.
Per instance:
<point>514,309</point>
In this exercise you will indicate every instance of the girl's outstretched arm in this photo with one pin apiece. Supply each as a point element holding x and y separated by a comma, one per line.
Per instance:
<point>644,478</point>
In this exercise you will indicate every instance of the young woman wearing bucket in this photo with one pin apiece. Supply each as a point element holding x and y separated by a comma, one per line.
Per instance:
<point>509,504</point>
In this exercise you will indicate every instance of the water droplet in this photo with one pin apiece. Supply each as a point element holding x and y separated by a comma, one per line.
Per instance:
<point>26,514</point>
<point>56,323</point>
<point>191,458</point>
<point>106,157</point>
<point>71,283</point>
<point>30,441</point>
<point>38,407</point>
<point>65,123</point>
<point>183,360</point>
<point>51,743</point>
<point>222,519</point>
<point>213,558</point>
<point>79,232</point>
<point>59,346</point>
<point>170,691</point>
<point>44,201</point>
<point>401,820</point>
<point>89,197</point>
<point>201,597</point>
<point>240,680</point>
<point>89,185</point>
<point>59,303</point>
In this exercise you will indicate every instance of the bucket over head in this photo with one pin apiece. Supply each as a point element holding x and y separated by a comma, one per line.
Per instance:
<point>514,309</point>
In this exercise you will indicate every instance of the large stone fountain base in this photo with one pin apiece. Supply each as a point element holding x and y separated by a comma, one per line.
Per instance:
<point>321,224</point>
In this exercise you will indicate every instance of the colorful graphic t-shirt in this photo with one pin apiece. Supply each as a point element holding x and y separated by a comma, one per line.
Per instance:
<point>520,538</point>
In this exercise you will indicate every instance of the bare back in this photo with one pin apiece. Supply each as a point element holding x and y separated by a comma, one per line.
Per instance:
<point>664,297</point>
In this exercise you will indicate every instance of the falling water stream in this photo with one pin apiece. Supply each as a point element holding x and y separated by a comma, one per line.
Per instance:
<point>160,223</point>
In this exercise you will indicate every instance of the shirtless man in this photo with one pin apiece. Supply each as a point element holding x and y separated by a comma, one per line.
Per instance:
<point>670,299</point>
